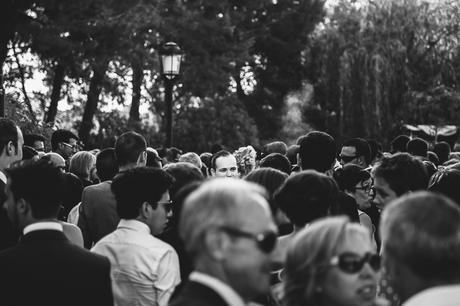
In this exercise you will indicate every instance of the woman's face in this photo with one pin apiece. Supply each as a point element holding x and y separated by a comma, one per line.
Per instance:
<point>351,288</point>
<point>361,194</point>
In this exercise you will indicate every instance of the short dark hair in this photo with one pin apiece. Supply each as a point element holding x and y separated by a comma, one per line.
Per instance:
<point>362,148</point>
<point>276,161</point>
<point>275,147</point>
<point>183,173</point>
<point>39,183</point>
<point>446,182</point>
<point>8,132</point>
<point>138,185</point>
<point>61,135</point>
<point>307,196</point>
<point>349,175</point>
<point>417,147</point>
<point>128,147</point>
<point>442,150</point>
<point>291,154</point>
<point>402,172</point>
<point>215,156</point>
<point>399,143</point>
<point>29,139</point>
<point>28,153</point>
<point>106,164</point>
<point>376,149</point>
<point>317,151</point>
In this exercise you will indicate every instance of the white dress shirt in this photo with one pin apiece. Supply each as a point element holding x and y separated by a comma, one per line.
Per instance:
<point>225,291</point>
<point>439,296</point>
<point>145,270</point>
<point>45,225</point>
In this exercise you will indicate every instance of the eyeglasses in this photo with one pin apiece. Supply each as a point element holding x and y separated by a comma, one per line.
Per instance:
<point>346,159</point>
<point>352,263</point>
<point>265,241</point>
<point>366,188</point>
<point>73,147</point>
<point>167,205</point>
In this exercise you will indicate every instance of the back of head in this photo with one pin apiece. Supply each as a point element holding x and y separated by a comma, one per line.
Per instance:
<point>40,184</point>
<point>421,231</point>
<point>138,185</point>
<point>106,164</point>
<point>153,159</point>
<point>442,150</point>
<point>56,159</point>
<point>206,159</point>
<point>59,136</point>
<point>417,147</point>
<point>183,174</point>
<point>216,203</point>
<point>29,153</point>
<point>30,139</point>
<point>376,149</point>
<point>307,196</point>
<point>128,147</point>
<point>399,143</point>
<point>317,151</point>
<point>446,182</point>
<point>310,250</point>
<point>81,164</point>
<point>362,148</point>
<point>276,161</point>
<point>402,172</point>
<point>271,179</point>
<point>292,154</point>
<point>275,147</point>
<point>192,158</point>
<point>8,132</point>
<point>173,154</point>
<point>433,157</point>
<point>349,175</point>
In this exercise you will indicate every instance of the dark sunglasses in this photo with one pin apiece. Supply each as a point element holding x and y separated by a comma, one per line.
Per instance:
<point>265,241</point>
<point>168,205</point>
<point>346,159</point>
<point>352,263</point>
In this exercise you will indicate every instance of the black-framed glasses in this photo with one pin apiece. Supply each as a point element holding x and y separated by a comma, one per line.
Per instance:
<point>73,147</point>
<point>265,241</point>
<point>167,205</point>
<point>366,188</point>
<point>346,159</point>
<point>352,263</point>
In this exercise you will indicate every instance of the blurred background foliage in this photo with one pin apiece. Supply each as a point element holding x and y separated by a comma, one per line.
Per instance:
<point>253,70</point>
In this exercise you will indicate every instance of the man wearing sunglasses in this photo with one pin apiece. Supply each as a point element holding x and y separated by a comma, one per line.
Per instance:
<point>65,143</point>
<point>355,151</point>
<point>145,270</point>
<point>227,227</point>
<point>421,249</point>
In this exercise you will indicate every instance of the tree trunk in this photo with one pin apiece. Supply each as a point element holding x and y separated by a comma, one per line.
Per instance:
<point>56,93</point>
<point>92,101</point>
<point>138,76</point>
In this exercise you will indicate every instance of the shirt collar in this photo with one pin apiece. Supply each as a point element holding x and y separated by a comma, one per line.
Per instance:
<point>2,177</point>
<point>39,226</point>
<point>443,295</point>
<point>134,225</point>
<point>225,291</point>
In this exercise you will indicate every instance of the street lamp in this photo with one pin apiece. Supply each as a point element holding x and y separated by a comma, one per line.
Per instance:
<point>171,56</point>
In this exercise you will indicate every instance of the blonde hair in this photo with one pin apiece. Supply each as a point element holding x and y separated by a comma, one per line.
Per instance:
<point>309,253</point>
<point>81,164</point>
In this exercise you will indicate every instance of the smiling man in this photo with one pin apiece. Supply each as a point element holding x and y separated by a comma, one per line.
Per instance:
<point>145,270</point>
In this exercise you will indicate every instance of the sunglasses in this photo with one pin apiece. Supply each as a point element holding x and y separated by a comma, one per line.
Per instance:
<point>352,263</point>
<point>346,159</point>
<point>167,205</point>
<point>265,241</point>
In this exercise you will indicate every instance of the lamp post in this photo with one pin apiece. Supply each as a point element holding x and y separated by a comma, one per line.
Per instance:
<point>171,56</point>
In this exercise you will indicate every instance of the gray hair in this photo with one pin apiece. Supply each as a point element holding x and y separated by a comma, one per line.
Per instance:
<point>422,231</point>
<point>81,164</point>
<point>215,203</point>
<point>191,157</point>
<point>309,252</point>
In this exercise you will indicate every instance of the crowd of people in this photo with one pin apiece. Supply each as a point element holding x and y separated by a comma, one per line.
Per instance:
<point>309,224</point>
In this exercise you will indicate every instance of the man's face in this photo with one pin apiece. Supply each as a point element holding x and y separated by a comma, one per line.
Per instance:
<point>158,218</point>
<point>246,266</point>
<point>348,156</point>
<point>226,167</point>
<point>383,193</point>
<point>67,149</point>
<point>39,146</point>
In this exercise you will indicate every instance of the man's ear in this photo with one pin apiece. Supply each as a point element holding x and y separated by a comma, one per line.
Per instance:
<point>142,159</point>
<point>23,207</point>
<point>217,244</point>
<point>10,149</point>
<point>144,210</point>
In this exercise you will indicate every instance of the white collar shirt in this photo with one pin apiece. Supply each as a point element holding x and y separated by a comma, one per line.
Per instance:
<point>40,226</point>
<point>145,270</point>
<point>3,177</point>
<point>230,296</point>
<point>439,296</point>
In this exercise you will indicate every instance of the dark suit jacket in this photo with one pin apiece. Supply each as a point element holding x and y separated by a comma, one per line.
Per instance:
<point>98,213</point>
<point>196,294</point>
<point>46,269</point>
<point>8,235</point>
